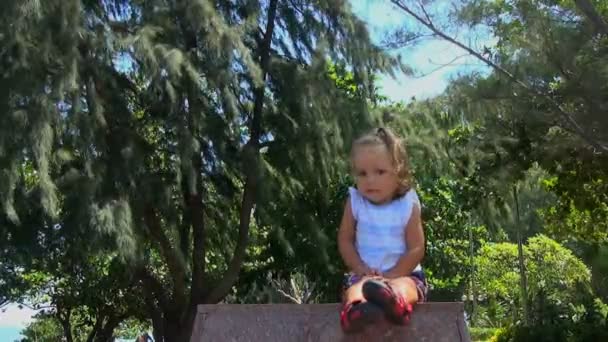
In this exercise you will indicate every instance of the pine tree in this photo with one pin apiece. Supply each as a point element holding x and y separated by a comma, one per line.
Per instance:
<point>154,128</point>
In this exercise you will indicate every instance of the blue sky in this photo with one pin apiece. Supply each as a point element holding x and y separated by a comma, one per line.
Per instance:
<point>426,57</point>
<point>9,334</point>
<point>431,79</point>
<point>12,321</point>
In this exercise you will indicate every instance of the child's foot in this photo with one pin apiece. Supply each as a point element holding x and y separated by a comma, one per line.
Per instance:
<point>355,316</point>
<point>395,307</point>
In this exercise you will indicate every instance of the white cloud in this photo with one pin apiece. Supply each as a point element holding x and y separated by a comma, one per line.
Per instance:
<point>404,88</point>
<point>12,316</point>
<point>434,61</point>
<point>379,14</point>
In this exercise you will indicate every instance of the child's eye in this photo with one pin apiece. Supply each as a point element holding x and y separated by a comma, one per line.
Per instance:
<point>361,173</point>
<point>380,172</point>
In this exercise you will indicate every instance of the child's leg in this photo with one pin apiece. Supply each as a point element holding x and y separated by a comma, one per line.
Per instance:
<point>405,287</point>
<point>353,293</point>
<point>356,312</point>
<point>395,296</point>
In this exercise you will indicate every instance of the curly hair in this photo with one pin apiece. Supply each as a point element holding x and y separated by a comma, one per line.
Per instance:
<point>385,137</point>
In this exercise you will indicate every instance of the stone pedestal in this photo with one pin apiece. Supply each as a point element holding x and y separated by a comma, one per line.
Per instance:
<point>434,322</point>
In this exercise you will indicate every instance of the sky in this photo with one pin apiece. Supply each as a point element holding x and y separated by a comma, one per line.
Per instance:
<point>427,58</point>
<point>429,80</point>
<point>12,321</point>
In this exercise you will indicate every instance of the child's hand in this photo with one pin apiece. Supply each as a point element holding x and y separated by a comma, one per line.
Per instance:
<point>376,272</point>
<point>365,270</point>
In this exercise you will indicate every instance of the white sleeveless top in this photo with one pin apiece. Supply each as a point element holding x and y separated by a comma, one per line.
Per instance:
<point>380,228</point>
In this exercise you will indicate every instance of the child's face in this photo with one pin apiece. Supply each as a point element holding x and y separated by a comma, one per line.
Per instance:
<point>375,173</point>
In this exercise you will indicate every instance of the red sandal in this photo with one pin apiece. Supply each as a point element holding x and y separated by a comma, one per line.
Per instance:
<point>355,316</point>
<point>379,292</point>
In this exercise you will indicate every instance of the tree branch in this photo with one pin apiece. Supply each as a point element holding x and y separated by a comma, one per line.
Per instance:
<point>397,42</point>
<point>195,204</point>
<point>63,315</point>
<point>251,153</point>
<point>290,297</point>
<point>152,286</point>
<point>154,313</point>
<point>194,201</point>
<point>96,327</point>
<point>33,307</point>
<point>426,14</point>
<point>594,17</point>
<point>169,254</point>
<point>442,65</point>
<point>566,115</point>
<point>106,332</point>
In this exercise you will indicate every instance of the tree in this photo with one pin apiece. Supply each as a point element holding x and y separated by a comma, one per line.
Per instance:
<point>536,69</point>
<point>296,236</point>
<point>551,268</point>
<point>47,327</point>
<point>89,290</point>
<point>544,102</point>
<point>43,328</point>
<point>144,121</point>
<point>444,159</point>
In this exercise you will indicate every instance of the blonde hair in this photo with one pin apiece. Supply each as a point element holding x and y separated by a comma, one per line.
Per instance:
<point>385,137</point>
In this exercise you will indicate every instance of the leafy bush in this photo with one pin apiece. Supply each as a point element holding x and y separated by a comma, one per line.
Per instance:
<point>552,321</point>
<point>481,334</point>
<point>551,269</point>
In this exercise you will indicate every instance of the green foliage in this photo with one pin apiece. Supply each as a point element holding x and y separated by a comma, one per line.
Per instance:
<point>445,192</point>
<point>600,272</point>
<point>481,334</point>
<point>44,328</point>
<point>293,289</point>
<point>160,136</point>
<point>304,243</point>
<point>581,212</point>
<point>149,149</point>
<point>492,313</point>
<point>553,272</point>
<point>530,121</point>
<point>528,32</point>
<point>131,328</point>
<point>553,323</point>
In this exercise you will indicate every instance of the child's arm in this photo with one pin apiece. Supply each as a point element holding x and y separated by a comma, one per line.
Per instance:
<point>414,237</point>
<point>346,243</point>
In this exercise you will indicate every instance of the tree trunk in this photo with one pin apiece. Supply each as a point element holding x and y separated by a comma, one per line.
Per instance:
<point>174,331</point>
<point>67,331</point>
<point>170,328</point>
<point>473,285</point>
<point>106,333</point>
<point>193,209</point>
<point>96,328</point>
<point>64,318</point>
<point>169,254</point>
<point>153,291</point>
<point>196,214</point>
<point>251,154</point>
<point>157,327</point>
<point>599,270</point>
<point>594,17</point>
<point>520,257</point>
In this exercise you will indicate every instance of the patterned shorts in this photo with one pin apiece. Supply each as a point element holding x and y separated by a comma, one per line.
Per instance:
<point>418,276</point>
